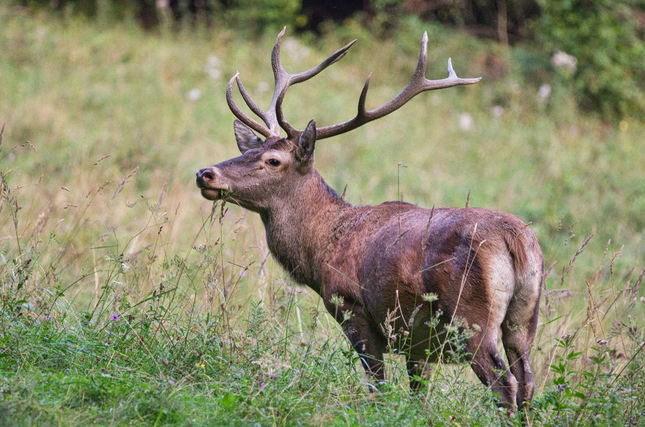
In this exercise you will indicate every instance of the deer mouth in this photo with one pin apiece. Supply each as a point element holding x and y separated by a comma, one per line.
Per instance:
<point>206,181</point>
<point>212,192</point>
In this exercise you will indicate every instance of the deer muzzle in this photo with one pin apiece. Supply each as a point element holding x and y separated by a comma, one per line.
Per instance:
<point>210,183</point>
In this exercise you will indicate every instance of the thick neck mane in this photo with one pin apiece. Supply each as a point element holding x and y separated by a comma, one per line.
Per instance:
<point>298,229</point>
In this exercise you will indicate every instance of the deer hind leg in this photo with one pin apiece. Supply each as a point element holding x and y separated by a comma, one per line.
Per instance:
<point>491,370</point>
<point>518,331</point>
<point>516,344</point>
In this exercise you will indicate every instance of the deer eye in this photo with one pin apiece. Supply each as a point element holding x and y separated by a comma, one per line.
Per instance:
<point>273,162</point>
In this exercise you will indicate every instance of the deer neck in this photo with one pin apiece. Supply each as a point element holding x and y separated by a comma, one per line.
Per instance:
<point>298,228</point>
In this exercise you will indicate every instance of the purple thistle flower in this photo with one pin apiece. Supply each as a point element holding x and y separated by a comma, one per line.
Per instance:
<point>115,317</point>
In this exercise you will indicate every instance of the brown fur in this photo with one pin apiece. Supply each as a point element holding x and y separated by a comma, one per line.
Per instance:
<point>373,265</point>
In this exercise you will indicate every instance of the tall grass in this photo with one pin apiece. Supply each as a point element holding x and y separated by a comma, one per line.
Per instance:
<point>128,299</point>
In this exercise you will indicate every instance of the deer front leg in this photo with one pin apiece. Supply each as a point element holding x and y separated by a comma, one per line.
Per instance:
<point>368,343</point>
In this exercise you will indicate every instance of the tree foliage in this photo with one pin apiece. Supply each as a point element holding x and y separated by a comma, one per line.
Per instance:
<point>606,37</point>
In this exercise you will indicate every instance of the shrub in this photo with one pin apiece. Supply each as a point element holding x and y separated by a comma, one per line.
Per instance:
<point>606,37</point>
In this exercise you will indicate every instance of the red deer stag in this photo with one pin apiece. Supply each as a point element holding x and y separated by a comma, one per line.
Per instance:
<point>396,276</point>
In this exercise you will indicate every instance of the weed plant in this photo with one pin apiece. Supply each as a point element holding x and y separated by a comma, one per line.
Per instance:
<point>127,299</point>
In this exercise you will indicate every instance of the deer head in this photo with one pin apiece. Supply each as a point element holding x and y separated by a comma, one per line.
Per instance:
<point>273,168</point>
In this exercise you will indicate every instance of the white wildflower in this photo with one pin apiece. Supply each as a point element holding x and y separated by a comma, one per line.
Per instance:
<point>193,94</point>
<point>544,92</point>
<point>465,121</point>
<point>561,59</point>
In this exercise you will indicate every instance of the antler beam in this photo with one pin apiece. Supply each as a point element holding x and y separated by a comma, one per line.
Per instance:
<point>418,84</point>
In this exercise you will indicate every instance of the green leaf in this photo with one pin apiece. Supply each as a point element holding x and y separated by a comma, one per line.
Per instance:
<point>228,401</point>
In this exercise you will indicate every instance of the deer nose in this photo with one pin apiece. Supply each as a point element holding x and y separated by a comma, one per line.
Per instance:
<point>203,176</point>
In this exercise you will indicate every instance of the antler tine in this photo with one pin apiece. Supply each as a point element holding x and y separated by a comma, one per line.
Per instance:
<point>290,130</point>
<point>239,114</point>
<point>273,117</point>
<point>247,98</point>
<point>417,84</point>
<point>284,80</point>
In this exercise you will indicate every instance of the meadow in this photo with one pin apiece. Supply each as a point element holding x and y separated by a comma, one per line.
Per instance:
<point>128,299</point>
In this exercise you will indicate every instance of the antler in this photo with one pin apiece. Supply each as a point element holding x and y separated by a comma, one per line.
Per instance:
<point>417,84</point>
<point>273,117</point>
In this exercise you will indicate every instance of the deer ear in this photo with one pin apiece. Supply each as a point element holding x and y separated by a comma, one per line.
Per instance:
<point>306,144</point>
<point>245,137</point>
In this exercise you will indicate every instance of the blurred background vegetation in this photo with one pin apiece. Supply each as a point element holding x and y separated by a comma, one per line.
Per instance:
<point>605,36</point>
<point>560,106</point>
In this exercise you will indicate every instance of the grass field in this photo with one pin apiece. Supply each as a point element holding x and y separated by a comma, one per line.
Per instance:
<point>128,299</point>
